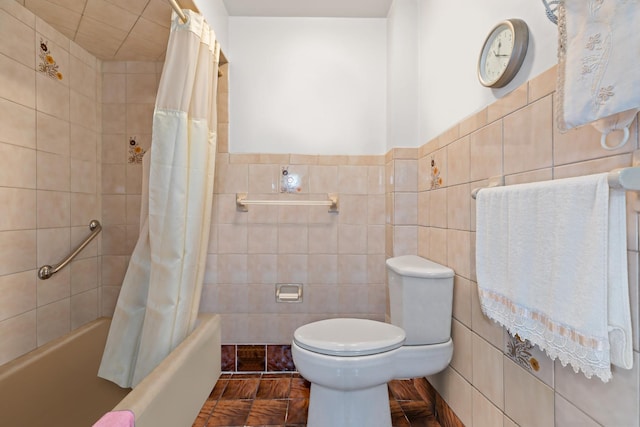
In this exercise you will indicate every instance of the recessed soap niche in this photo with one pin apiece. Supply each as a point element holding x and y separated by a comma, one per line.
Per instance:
<point>288,292</point>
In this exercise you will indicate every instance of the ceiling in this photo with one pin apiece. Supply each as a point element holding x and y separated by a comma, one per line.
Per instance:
<point>125,30</point>
<point>112,30</point>
<point>300,8</point>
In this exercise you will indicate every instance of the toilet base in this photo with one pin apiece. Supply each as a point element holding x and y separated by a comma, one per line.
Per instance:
<point>338,408</point>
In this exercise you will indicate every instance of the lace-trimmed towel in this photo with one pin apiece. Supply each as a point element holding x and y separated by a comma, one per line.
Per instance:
<point>551,263</point>
<point>598,71</point>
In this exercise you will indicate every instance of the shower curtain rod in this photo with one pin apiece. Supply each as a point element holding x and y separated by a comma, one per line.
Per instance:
<point>174,4</point>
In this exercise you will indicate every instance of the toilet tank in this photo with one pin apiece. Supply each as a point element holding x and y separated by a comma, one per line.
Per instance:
<point>420,299</point>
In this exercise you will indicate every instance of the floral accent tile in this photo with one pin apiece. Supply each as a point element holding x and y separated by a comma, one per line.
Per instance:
<point>47,64</point>
<point>135,151</point>
<point>519,351</point>
<point>436,179</point>
<point>529,357</point>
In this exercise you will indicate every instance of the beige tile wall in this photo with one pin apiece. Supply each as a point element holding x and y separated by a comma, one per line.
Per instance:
<point>514,137</point>
<point>339,258</point>
<point>49,182</point>
<point>128,96</point>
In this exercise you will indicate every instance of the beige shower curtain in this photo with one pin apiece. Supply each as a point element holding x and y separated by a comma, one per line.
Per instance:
<point>160,295</point>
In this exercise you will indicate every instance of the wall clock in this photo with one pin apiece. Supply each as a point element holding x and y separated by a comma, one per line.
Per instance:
<point>503,52</point>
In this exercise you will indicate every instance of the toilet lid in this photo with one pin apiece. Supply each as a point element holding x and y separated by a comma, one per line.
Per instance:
<point>349,337</point>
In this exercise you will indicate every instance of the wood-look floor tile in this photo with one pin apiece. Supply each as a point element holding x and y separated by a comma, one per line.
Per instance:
<point>404,390</point>
<point>230,413</point>
<point>201,419</point>
<point>299,388</point>
<point>208,406</point>
<point>267,413</point>
<point>241,376</point>
<point>218,389</point>
<point>418,412</point>
<point>274,388</point>
<point>398,419</point>
<point>447,417</point>
<point>282,400</point>
<point>297,411</point>
<point>425,390</point>
<point>241,389</point>
<point>274,375</point>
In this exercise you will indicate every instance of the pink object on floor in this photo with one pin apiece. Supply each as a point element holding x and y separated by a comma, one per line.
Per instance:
<point>116,419</point>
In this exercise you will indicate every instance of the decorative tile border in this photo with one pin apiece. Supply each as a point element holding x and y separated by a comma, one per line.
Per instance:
<point>257,358</point>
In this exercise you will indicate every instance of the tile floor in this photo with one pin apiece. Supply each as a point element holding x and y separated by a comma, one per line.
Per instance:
<point>282,400</point>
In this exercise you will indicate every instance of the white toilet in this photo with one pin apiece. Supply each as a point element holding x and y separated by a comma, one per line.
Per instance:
<point>350,361</point>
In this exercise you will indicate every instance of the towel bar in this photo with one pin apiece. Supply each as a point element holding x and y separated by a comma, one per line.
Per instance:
<point>332,202</point>
<point>627,179</point>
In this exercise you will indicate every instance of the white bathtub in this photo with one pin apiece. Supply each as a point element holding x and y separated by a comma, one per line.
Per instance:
<point>56,385</point>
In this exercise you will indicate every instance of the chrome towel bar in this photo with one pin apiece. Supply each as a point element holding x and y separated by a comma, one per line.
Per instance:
<point>47,271</point>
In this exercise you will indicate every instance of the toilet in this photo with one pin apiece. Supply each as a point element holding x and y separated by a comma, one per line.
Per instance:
<point>349,361</point>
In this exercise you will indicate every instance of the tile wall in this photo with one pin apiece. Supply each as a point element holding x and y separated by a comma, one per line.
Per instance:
<point>128,99</point>
<point>49,181</point>
<point>493,379</point>
<point>339,258</point>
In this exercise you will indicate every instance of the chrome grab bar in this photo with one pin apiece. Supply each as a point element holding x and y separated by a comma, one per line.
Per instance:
<point>47,271</point>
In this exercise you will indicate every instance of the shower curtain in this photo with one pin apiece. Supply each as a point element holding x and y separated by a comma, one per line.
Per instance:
<point>160,295</point>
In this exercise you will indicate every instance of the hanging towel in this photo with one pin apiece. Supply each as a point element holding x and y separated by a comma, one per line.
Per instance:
<point>551,265</point>
<point>116,419</point>
<point>598,74</point>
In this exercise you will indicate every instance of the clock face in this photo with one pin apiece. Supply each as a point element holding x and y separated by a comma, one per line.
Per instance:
<point>502,53</point>
<point>498,54</point>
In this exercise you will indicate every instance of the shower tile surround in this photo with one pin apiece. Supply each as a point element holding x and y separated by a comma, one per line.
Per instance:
<point>75,133</point>
<point>50,168</point>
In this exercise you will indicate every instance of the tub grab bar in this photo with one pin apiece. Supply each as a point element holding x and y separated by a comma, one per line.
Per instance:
<point>47,271</point>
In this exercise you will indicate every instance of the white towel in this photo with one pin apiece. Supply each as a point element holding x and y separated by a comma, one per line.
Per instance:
<point>598,75</point>
<point>551,264</point>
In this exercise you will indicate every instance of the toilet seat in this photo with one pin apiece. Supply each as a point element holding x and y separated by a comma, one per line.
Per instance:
<point>349,337</point>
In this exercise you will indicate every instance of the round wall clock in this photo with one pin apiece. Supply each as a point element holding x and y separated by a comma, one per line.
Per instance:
<point>503,52</point>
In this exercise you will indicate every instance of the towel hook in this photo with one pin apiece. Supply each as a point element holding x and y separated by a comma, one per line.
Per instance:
<point>625,138</point>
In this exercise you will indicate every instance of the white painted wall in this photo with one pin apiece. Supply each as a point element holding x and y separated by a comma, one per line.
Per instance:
<point>403,76</point>
<point>216,15</point>
<point>451,35</point>
<point>363,86</point>
<point>307,85</point>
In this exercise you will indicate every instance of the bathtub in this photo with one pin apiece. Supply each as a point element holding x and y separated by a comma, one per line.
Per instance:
<point>56,384</point>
